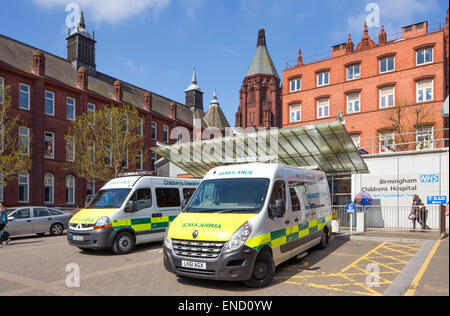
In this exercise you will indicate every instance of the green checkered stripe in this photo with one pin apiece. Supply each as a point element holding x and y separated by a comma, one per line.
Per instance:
<point>283,236</point>
<point>144,224</point>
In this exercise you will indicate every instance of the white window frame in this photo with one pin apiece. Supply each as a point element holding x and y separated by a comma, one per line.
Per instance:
<point>70,141</point>
<point>166,133</point>
<point>140,127</point>
<point>386,136</point>
<point>126,166</point>
<point>49,136</point>
<point>140,156</point>
<point>108,148</point>
<point>352,103</point>
<point>295,85</point>
<point>354,76</point>
<point>74,109</point>
<point>393,98</point>
<point>25,92</point>
<point>424,55</point>
<point>91,111</point>
<point>2,138</point>
<point>323,79</point>
<point>155,134</point>
<point>72,196</point>
<point>155,158</point>
<point>2,90</point>
<point>91,147</point>
<point>387,64</point>
<point>323,108</point>
<point>424,132</point>
<point>25,132</point>
<point>53,100</point>
<point>356,138</point>
<point>52,186</point>
<point>27,184</point>
<point>424,91</point>
<point>295,109</point>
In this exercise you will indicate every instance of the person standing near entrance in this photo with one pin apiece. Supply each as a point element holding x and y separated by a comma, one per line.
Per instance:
<point>420,212</point>
<point>3,223</point>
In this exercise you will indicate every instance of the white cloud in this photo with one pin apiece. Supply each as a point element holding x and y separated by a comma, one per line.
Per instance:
<point>191,7</point>
<point>110,11</point>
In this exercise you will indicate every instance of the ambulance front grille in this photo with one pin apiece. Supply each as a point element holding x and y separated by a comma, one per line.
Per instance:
<point>197,249</point>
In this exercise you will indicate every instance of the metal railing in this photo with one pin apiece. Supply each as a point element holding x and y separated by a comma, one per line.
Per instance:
<point>394,217</point>
<point>414,141</point>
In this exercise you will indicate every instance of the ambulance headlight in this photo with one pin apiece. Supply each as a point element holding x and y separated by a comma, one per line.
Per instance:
<point>103,222</point>
<point>168,242</point>
<point>239,238</point>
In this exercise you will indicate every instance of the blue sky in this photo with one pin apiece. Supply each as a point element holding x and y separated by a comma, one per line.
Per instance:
<point>155,44</point>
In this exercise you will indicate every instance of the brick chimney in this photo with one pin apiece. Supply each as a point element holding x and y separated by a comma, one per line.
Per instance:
<point>173,110</point>
<point>38,63</point>
<point>148,101</point>
<point>83,78</point>
<point>118,90</point>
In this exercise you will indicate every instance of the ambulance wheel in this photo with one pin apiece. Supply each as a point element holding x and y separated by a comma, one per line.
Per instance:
<point>123,243</point>
<point>263,271</point>
<point>324,239</point>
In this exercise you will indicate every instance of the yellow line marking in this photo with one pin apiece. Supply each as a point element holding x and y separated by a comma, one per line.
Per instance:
<point>415,282</point>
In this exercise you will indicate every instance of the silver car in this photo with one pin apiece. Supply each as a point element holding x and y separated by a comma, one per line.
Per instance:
<point>37,220</point>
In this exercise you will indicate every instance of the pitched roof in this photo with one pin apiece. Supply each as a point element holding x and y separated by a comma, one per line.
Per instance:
<point>20,56</point>
<point>215,117</point>
<point>262,62</point>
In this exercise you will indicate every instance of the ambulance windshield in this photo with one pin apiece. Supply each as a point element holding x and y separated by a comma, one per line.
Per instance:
<point>229,196</point>
<point>110,198</point>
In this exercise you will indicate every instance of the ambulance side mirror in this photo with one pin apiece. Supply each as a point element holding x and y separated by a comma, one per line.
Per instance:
<point>184,203</point>
<point>277,209</point>
<point>131,207</point>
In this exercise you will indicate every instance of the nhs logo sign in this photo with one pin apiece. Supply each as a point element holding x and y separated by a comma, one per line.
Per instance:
<point>426,178</point>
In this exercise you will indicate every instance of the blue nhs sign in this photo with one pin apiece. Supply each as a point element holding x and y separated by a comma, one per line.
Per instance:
<point>426,178</point>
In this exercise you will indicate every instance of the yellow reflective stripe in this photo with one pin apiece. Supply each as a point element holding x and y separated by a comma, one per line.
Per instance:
<point>258,240</point>
<point>278,242</point>
<point>293,229</point>
<point>142,227</point>
<point>121,222</point>
<point>321,226</point>
<point>160,219</point>
<point>313,223</point>
<point>328,218</point>
<point>303,233</point>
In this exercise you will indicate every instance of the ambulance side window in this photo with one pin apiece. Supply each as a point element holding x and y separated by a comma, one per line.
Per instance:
<point>279,191</point>
<point>294,200</point>
<point>168,197</point>
<point>187,193</point>
<point>143,199</point>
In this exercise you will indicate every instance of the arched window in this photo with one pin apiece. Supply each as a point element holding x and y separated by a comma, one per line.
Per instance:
<point>70,190</point>
<point>49,188</point>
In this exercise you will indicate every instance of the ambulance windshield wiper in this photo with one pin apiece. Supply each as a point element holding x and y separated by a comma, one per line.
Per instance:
<point>235,210</point>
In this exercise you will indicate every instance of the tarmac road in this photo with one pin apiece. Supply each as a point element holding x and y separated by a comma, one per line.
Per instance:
<point>46,265</point>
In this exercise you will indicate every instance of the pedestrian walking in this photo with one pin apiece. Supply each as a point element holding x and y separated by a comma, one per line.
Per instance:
<point>4,236</point>
<point>419,213</point>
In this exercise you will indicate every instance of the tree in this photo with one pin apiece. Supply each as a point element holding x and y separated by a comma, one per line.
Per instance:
<point>106,143</point>
<point>14,157</point>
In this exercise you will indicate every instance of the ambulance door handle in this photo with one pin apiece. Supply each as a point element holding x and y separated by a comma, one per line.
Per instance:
<point>287,222</point>
<point>296,220</point>
<point>157,215</point>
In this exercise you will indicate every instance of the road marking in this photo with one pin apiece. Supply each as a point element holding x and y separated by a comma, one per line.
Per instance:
<point>415,283</point>
<point>388,256</point>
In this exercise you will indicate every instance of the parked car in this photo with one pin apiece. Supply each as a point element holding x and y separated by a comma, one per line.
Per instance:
<point>37,220</point>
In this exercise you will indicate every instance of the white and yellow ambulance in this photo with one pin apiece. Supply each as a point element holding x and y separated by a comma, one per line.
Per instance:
<point>244,220</point>
<point>128,211</point>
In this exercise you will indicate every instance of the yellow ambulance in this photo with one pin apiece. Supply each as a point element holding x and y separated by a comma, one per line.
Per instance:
<point>244,220</point>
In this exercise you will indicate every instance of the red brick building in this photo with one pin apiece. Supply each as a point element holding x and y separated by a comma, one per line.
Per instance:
<point>48,92</point>
<point>260,95</point>
<point>363,82</point>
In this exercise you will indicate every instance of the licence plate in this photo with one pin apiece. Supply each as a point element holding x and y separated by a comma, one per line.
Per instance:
<point>193,265</point>
<point>78,238</point>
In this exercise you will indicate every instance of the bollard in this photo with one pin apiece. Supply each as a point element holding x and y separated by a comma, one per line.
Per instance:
<point>360,222</point>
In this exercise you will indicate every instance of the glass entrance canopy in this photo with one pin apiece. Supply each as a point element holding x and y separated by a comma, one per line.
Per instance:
<point>326,146</point>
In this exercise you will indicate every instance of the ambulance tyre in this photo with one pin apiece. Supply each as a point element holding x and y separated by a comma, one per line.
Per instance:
<point>324,240</point>
<point>123,243</point>
<point>263,271</point>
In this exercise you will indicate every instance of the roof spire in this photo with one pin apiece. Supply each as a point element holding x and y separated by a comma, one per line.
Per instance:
<point>214,101</point>
<point>261,37</point>
<point>81,23</point>
<point>194,77</point>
